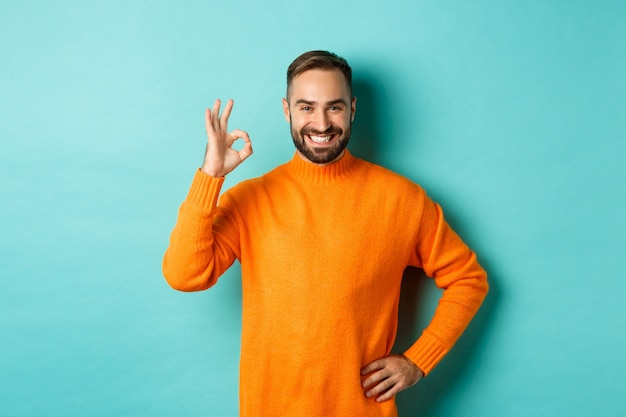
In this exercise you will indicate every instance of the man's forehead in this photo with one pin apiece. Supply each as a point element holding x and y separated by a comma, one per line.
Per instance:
<point>320,81</point>
<point>318,73</point>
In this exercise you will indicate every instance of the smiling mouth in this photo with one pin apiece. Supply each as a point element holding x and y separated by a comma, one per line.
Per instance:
<point>320,139</point>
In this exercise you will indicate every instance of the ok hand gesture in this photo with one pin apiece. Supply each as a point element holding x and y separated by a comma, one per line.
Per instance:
<point>220,157</point>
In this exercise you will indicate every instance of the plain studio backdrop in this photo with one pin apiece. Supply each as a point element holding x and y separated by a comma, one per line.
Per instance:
<point>511,114</point>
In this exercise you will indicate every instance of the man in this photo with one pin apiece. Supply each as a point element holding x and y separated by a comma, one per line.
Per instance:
<point>323,241</point>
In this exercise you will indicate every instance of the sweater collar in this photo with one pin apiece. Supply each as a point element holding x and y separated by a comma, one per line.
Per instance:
<point>310,172</point>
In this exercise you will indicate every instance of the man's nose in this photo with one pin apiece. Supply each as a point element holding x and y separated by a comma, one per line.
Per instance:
<point>322,122</point>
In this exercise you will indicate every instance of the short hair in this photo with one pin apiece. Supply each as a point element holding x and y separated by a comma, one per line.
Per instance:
<point>323,60</point>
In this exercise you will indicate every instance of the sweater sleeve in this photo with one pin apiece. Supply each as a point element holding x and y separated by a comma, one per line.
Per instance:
<point>455,269</point>
<point>197,255</point>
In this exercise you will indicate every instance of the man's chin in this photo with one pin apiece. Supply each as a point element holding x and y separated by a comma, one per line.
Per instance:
<point>321,155</point>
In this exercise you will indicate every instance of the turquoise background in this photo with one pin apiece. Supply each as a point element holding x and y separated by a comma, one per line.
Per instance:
<point>510,113</point>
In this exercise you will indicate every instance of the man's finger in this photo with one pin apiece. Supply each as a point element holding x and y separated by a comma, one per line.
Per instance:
<point>373,366</point>
<point>375,378</point>
<point>215,114</point>
<point>239,134</point>
<point>226,114</point>
<point>208,120</point>
<point>389,394</point>
<point>246,151</point>
<point>380,387</point>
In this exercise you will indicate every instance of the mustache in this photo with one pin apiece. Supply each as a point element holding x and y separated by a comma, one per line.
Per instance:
<point>332,130</point>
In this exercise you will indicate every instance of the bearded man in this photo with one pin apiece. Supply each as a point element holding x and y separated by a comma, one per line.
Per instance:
<point>323,241</point>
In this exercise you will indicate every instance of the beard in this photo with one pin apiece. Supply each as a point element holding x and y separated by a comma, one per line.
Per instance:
<point>322,155</point>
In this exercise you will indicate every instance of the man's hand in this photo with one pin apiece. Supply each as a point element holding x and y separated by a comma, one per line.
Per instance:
<point>388,376</point>
<point>220,157</point>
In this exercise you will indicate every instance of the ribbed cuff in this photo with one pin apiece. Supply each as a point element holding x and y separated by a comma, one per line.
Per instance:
<point>426,352</point>
<point>205,190</point>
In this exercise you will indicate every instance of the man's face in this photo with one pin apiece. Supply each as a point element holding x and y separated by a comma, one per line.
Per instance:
<point>320,111</point>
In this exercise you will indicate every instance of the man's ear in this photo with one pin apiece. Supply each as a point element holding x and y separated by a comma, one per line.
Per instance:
<point>353,108</point>
<point>286,110</point>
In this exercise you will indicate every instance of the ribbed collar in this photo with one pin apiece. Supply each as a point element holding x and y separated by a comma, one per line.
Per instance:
<point>316,174</point>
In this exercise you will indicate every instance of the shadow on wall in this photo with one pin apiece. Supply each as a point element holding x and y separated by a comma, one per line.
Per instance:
<point>456,369</point>
<point>365,130</point>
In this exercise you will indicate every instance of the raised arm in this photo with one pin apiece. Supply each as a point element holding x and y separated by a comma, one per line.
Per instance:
<point>198,253</point>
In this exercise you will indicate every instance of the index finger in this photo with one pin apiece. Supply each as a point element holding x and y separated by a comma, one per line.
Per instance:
<point>373,366</point>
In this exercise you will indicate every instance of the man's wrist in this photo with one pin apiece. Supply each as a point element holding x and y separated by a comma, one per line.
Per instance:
<point>212,172</point>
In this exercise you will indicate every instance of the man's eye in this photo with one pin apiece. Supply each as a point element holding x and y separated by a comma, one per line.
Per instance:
<point>305,108</point>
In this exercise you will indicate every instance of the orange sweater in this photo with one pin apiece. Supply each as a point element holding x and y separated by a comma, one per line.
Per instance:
<point>322,251</point>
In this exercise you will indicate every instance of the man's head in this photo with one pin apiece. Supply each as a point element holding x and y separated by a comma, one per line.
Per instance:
<point>319,105</point>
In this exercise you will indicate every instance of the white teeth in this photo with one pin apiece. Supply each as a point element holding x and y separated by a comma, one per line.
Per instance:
<point>320,139</point>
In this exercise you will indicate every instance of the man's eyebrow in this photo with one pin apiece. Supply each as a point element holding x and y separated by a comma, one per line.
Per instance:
<point>338,101</point>
<point>330,103</point>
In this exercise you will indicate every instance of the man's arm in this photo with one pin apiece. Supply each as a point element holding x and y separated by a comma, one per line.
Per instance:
<point>197,255</point>
<point>454,266</point>
<point>446,258</point>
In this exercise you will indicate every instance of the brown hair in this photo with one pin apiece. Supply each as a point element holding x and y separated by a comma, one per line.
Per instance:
<point>319,60</point>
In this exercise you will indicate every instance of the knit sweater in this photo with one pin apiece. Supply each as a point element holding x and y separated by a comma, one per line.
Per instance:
<point>322,252</point>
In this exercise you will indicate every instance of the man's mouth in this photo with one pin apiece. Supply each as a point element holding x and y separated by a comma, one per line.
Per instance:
<point>320,139</point>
